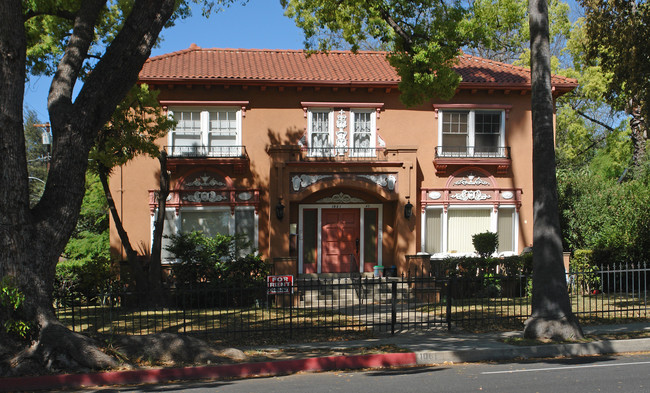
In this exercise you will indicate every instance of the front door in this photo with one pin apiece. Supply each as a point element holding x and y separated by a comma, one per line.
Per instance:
<point>340,240</point>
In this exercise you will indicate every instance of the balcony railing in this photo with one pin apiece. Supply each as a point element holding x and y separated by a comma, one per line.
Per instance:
<point>472,152</point>
<point>343,153</point>
<point>206,151</point>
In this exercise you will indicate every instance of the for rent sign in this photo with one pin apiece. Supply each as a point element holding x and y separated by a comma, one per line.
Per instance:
<point>279,284</point>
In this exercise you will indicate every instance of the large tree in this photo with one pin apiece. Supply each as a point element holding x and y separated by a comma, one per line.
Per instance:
<point>427,37</point>
<point>616,32</point>
<point>103,43</point>
<point>551,309</point>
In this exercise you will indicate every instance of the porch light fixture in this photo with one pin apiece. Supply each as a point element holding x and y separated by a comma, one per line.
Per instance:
<point>279,210</point>
<point>408,210</point>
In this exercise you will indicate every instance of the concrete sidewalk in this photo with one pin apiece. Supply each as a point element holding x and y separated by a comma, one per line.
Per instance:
<point>422,348</point>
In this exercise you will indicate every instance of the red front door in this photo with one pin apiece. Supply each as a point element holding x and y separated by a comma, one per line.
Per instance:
<point>341,242</point>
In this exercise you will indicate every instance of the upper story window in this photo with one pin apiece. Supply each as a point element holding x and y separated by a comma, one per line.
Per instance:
<point>320,131</point>
<point>212,131</point>
<point>341,129</point>
<point>471,132</point>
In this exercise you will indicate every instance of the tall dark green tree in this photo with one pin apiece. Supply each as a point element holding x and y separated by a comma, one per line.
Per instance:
<point>617,41</point>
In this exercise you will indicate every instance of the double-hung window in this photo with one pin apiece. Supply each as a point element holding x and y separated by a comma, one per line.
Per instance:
<point>206,132</point>
<point>471,132</point>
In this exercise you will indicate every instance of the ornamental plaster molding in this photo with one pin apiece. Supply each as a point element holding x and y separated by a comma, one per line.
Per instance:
<point>245,196</point>
<point>204,181</point>
<point>386,181</point>
<point>304,181</point>
<point>341,134</point>
<point>470,195</point>
<point>204,196</point>
<point>341,198</point>
<point>471,180</point>
<point>507,195</point>
<point>434,195</point>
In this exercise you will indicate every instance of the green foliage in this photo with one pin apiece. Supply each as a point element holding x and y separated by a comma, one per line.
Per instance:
<point>608,217</point>
<point>426,37</point>
<point>90,240</point>
<point>215,260</point>
<point>11,300</point>
<point>85,278</point>
<point>485,243</point>
<point>583,263</point>
<point>137,122</point>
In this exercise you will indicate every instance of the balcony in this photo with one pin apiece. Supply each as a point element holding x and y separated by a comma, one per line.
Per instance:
<point>343,154</point>
<point>446,156</point>
<point>205,155</point>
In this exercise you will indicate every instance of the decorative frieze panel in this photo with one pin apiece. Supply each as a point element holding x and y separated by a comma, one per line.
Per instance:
<point>387,181</point>
<point>204,196</point>
<point>204,180</point>
<point>341,198</point>
<point>471,180</point>
<point>470,195</point>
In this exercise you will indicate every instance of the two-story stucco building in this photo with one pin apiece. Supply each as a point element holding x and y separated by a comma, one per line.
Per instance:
<point>318,162</point>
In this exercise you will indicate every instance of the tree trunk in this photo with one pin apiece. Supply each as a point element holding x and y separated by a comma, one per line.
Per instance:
<point>131,255</point>
<point>155,269</point>
<point>551,310</point>
<point>31,240</point>
<point>639,137</point>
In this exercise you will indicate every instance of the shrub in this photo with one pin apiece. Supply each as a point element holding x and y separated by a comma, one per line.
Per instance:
<point>11,300</point>
<point>217,260</point>
<point>587,279</point>
<point>86,279</point>
<point>485,243</point>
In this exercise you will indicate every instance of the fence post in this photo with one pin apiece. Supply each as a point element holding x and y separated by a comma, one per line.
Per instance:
<point>393,317</point>
<point>450,284</point>
<point>291,312</point>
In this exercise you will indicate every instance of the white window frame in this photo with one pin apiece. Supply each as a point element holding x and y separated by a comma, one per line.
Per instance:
<point>205,131</point>
<point>445,224</point>
<point>373,132</point>
<point>330,134</point>
<point>471,128</point>
<point>231,223</point>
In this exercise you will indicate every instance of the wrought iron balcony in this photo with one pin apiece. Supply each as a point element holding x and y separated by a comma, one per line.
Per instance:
<point>343,153</point>
<point>472,152</point>
<point>196,151</point>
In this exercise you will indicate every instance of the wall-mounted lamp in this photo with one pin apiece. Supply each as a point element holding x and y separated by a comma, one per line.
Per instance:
<point>279,210</point>
<point>408,210</point>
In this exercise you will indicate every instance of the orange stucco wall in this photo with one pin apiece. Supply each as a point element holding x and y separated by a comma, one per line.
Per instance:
<point>274,117</point>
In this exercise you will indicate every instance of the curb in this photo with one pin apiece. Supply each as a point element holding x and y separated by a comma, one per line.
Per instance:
<point>283,367</point>
<point>208,372</point>
<point>603,347</point>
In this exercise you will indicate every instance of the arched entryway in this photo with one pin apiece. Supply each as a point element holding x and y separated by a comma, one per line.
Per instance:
<point>340,231</point>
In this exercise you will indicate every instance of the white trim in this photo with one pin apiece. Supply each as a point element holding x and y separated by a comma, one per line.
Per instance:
<point>205,132</point>
<point>373,131</point>
<point>319,208</point>
<point>494,223</point>
<point>471,125</point>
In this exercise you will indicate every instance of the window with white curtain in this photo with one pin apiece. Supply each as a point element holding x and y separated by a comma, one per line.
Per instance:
<point>362,138</point>
<point>462,225</point>
<point>320,132</point>
<point>452,232</point>
<point>213,132</point>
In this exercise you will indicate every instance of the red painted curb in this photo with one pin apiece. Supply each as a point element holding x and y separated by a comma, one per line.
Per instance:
<point>208,372</point>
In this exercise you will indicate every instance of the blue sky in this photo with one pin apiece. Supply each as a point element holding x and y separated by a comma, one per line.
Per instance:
<point>259,24</point>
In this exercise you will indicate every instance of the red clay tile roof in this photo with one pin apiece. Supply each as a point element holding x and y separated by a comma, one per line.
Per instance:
<point>293,67</point>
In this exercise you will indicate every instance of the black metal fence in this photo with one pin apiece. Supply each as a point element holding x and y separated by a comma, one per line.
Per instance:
<point>357,304</point>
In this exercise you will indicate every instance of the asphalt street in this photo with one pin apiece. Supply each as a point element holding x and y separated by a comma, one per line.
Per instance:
<point>625,373</point>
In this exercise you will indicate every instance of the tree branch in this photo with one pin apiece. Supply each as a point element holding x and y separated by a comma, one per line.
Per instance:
<point>60,13</point>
